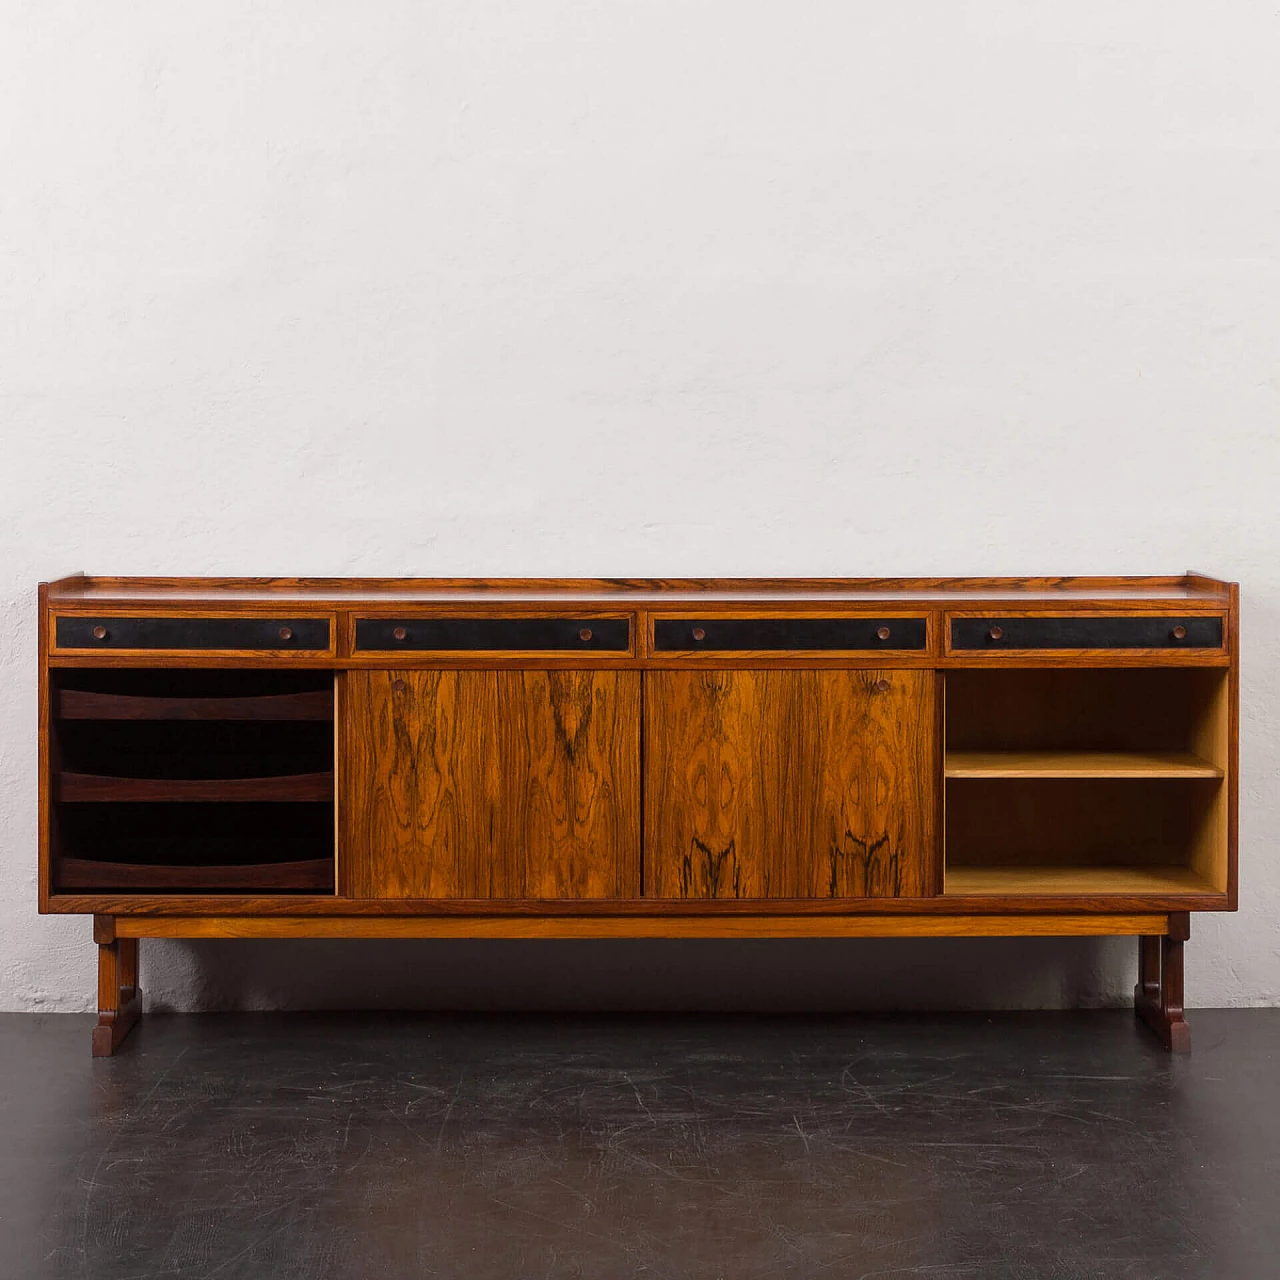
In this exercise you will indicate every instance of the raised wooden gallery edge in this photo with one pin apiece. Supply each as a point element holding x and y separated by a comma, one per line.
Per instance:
<point>98,590</point>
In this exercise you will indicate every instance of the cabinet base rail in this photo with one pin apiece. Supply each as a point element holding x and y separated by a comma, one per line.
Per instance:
<point>1157,997</point>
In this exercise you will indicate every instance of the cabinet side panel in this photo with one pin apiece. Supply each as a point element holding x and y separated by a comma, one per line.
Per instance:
<point>790,784</point>
<point>502,784</point>
<point>44,765</point>
<point>1210,738</point>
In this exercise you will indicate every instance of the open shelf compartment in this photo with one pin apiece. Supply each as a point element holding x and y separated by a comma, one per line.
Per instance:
<point>1086,782</point>
<point>201,781</point>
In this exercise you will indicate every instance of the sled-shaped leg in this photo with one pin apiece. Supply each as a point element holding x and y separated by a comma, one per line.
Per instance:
<point>119,1000</point>
<point>1157,999</point>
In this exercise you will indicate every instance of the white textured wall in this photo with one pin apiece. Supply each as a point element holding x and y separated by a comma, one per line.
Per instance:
<point>638,288</point>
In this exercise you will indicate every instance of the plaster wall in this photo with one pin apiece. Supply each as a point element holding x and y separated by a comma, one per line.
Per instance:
<point>603,287</point>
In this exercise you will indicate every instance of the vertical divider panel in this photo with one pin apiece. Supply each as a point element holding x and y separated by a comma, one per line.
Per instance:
<point>1210,738</point>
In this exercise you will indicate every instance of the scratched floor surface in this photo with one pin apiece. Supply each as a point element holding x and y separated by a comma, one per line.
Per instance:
<point>334,1147</point>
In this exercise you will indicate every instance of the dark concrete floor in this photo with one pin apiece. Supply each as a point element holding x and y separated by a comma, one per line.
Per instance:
<point>331,1146</point>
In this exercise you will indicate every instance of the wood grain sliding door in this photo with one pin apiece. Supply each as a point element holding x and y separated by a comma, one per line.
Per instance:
<point>790,783</point>
<point>490,784</point>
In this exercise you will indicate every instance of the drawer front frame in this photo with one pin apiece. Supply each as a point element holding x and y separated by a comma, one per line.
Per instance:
<point>1120,634</point>
<point>481,634</point>
<point>793,633</point>
<point>750,636</point>
<point>213,633</point>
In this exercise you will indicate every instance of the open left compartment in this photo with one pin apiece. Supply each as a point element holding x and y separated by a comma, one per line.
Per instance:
<point>191,780</point>
<point>1087,781</point>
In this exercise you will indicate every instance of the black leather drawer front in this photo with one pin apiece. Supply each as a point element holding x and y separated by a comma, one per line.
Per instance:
<point>609,635</point>
<point>780,634</point>
<point>995,634</point>
<point>193,633</point>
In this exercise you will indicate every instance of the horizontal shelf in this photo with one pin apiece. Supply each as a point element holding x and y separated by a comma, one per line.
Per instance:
<point>78,704</point>
<point>1078,764</point>
<point>1016,881</point>
<point>96,788</point>
<point>86,874</point>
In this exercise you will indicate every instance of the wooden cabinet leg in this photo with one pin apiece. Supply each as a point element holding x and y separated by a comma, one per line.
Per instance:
<point>119,1000</point>
<point>1157,999</point>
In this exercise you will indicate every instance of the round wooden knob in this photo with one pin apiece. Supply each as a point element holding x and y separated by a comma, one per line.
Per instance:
<point>398,686</point>
<point>99,633</point>
<point>882,633</point>
<point>399,633</point>
<point>996,633</point>
<point>585,634</point>
<point>1179,633</point>
<point>882,686</point>
<point>286,633</point>
<point>699,633</point>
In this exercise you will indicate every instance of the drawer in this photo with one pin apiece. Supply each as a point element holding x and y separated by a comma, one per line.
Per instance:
<point>111,632</point>
<point>511,635</point>
<point>995,634</point>
<point>693,635</point>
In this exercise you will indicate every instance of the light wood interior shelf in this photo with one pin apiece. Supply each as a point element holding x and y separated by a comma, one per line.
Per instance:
<point>1079,764</point>
<point>1068,881</point>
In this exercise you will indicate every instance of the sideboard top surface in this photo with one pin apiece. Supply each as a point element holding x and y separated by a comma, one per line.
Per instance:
<point>665,591</point>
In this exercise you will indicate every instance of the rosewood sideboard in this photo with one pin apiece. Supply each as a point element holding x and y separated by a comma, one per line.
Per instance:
<point>542,758</point>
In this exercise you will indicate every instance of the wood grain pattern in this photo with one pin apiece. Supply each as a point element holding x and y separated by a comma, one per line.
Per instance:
<point>503,784</point>
<point>737,926</point>
<point>788,784</point>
